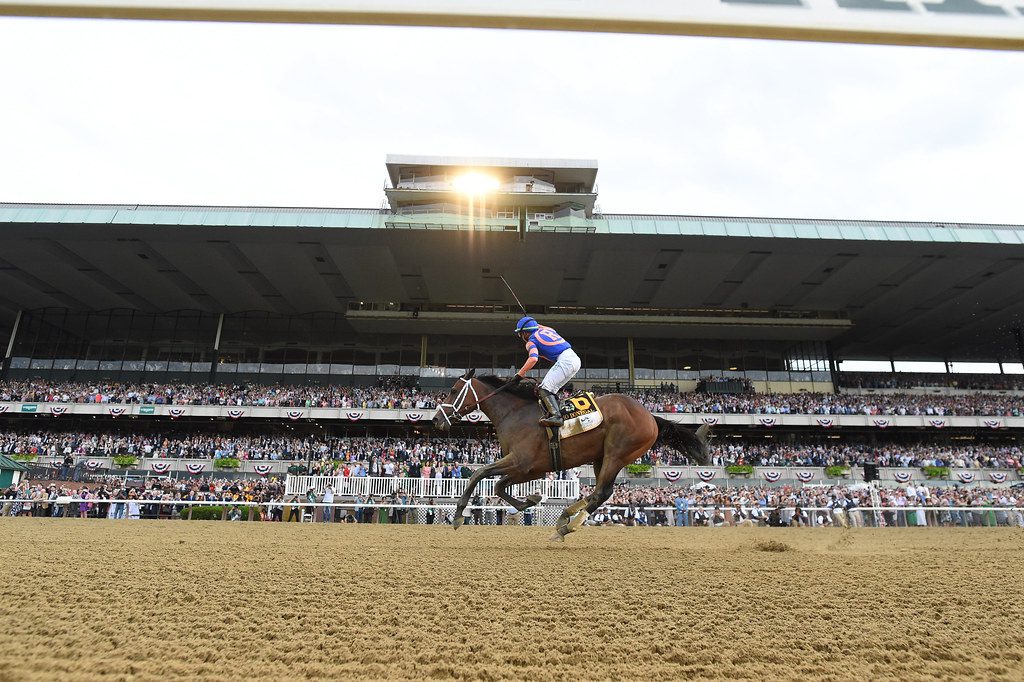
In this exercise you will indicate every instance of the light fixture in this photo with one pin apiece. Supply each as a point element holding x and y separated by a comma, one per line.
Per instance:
<point>474,182</point>
<point>686,367</point>
<point>732,369</point>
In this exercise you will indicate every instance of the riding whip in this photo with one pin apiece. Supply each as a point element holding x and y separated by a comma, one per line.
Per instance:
<point>520,303</point>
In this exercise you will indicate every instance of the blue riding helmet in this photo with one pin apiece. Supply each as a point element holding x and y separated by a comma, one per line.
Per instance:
<point>526,324</point>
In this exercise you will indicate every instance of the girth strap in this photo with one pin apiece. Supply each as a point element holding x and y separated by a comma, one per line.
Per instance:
<point>555,448</point>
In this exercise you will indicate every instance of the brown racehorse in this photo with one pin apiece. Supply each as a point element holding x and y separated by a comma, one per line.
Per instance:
<point>627,432</point>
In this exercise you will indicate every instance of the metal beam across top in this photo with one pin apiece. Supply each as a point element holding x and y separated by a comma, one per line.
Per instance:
<point>983,24</point>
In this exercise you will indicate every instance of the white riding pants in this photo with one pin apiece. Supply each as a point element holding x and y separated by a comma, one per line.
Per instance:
<point>564,369</point>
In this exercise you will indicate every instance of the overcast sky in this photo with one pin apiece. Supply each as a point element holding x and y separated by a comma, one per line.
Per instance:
<point>137,112</point>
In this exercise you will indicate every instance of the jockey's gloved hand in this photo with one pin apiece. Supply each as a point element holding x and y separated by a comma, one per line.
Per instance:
<point>516,378</point>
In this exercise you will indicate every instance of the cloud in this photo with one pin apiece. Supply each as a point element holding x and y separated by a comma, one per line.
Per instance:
<point>303,115</point>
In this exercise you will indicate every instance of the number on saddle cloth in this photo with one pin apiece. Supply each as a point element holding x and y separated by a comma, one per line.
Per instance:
<point>580,414</point>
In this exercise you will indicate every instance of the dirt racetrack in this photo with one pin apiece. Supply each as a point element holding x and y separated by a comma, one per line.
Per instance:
<point>117,600</point>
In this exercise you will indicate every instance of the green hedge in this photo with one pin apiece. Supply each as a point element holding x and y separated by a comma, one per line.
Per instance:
<point>739,470</point>
<point>24,458</point>
<point>214,513</point>
<point>226,463</point>
<point>837,471</point>
<point>936,472</point>
<point>124,461</point>
<point>638,469</point>
<point>297,469</point>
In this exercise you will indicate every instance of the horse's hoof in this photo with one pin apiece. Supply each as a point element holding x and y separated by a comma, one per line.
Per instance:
<point>557,537</point>
<point>457,522</point>
<point>533,499</point>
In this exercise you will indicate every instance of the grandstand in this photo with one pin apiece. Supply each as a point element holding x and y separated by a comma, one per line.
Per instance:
<point>343,323</point>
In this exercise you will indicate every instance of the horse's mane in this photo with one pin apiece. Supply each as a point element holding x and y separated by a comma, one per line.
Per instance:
<point>525,389</point>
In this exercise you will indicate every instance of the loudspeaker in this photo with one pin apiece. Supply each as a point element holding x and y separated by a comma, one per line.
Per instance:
<point>870,472</point>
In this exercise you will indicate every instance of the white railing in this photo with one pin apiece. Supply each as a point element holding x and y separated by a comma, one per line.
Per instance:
<point>424,488</point>
<point>541,515</point>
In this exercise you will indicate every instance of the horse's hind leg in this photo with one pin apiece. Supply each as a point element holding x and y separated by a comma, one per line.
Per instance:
<point>501,490</point>
<point>606,471</point>
<point>577,506</point>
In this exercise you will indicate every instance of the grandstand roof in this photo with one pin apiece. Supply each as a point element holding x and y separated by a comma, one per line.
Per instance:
<point>913,290</point>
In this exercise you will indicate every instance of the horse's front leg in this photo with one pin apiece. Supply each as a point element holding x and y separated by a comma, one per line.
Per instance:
<point>478,475</point>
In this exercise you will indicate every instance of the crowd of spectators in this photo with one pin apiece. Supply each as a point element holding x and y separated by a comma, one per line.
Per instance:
<point>971,382</point>
<point>254,499</point>
<point>377,456</point>
<point>663,399</point>
<point>828,403</point>
<point>705,505</point>
<point>388,396</point>
<point>454,457</point>
<point>699,505</point>
<point>760,453</point>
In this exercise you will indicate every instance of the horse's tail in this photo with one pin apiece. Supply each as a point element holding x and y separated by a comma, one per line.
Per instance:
<point>693,444</point>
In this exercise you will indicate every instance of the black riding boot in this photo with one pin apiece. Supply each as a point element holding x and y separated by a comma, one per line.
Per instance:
<point>551,405</point>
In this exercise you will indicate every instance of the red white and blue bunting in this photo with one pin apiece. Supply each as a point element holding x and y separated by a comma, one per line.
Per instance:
<point>992,423</point>
<point>706,474</point>
<point>772,476</point>
<point>294,414</point>
<point>710,421</point>
<point>902,476</point>
<point>195,467</point>
<point>937,423</point>
<point>475,416</point>
<point>826,422</point>
<point>235,414</point>
<point>768,421</point>
<point>353,416</point>
<point>262,469</point>
<point>804,476</point>
<point>58,410</point>
<point>117,411</point>
<point>966,476</point>
<point>672,475</point>
<point>881,423</point>
<point>997,476</point>
<point>414,416</point>
<point>94,464</point>
<point>176,412</point>
<point>160,467</point>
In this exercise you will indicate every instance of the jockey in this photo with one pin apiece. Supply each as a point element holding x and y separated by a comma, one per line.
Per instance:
<point>545,342</point>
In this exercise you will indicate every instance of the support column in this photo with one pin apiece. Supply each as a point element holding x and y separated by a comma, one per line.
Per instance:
<point>216,350</point>
<point>833,367</point>
<point>10,346</point>
<point>632,363</point>
<point>423,350</point>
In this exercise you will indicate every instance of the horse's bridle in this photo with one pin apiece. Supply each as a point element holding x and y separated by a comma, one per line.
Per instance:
<point>458,403</point>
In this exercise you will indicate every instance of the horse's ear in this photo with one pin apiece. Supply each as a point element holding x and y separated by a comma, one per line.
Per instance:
<point>470,373</point>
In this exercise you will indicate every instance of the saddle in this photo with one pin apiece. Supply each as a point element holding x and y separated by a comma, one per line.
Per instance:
<point>580,414</point>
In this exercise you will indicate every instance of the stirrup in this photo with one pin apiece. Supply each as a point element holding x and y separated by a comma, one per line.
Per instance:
<point>552,420</point>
